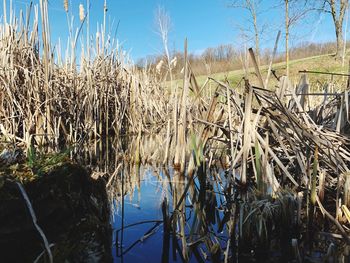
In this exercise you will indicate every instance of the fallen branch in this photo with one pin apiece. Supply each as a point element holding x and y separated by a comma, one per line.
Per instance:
<point>340,228</point>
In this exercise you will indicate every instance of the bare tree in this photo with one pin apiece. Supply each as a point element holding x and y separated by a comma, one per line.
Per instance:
<point>295,11</point>
<point>252,7</point>
<point>163,23</point>
<point>287,35</point>
<point>337,9</point>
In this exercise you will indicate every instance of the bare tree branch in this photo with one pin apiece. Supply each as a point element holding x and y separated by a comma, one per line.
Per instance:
<point>252,7</point>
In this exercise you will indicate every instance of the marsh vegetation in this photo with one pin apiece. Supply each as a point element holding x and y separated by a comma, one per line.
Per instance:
<point>238,172</point>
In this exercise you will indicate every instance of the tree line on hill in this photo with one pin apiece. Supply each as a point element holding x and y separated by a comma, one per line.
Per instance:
<point>224,58</point>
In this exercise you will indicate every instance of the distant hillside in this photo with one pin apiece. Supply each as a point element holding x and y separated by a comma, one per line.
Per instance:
<point>321,63</point>
<point>227,58</point>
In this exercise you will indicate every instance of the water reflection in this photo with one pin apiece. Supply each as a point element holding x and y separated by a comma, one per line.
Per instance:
<point>162,215</point>
<point>161,208</point>
<point>142,220</point>
<point>166,217</point>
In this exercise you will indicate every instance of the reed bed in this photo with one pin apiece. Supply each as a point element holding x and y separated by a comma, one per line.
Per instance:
<point>266,172</point>
<point>52,101</point>
<point>261,169</point>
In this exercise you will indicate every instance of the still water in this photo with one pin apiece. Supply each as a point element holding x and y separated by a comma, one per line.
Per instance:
<point>209,218</point>
<point>143,241</point>
<point>141,205</point>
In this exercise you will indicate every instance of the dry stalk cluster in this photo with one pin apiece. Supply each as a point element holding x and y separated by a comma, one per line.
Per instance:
<point>48,100</point>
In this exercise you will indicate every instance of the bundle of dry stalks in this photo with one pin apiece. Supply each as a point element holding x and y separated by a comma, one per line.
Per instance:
<point>55,104</point>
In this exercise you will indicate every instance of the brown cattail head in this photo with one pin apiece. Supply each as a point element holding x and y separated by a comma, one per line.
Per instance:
<point>81,12</point>
<point>65,5</point>
<point>105,6</point>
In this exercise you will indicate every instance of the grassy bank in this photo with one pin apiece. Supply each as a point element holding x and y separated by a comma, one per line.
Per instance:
<point>323,63</point>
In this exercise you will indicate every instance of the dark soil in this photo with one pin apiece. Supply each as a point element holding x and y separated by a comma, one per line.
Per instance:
<point>72,210</point>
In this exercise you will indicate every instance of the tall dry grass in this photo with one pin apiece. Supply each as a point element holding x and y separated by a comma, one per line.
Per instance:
<point>49,99</point>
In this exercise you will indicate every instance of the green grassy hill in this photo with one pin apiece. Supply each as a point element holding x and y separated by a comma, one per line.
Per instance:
<point>323,63</point>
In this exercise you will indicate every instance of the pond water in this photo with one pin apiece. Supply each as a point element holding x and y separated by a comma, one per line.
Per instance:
<point>142,205</point>
<point>162,215</point>
<point>208,216</point>
<point>144,240</point>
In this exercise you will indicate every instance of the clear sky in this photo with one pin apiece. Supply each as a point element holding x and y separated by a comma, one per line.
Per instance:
<point>206,23</point>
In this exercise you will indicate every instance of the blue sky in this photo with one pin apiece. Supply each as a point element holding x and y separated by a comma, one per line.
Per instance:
<point>206,23</point>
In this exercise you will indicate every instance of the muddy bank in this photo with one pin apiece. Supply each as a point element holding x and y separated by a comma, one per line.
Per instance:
<point>72,210</point>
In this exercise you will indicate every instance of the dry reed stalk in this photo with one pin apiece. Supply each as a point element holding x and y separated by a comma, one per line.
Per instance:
<point>180,156</point>
<point>340,228</point>
<point>168,140</point>
<point>347,189</point>
<point>272,59</point>
<point>256,67</point>
<point>105,9</point>
<point>232,148</point>
<point>314,177</point>
<point>35,222</point>
<point>265,169</point>
<point>321,185</point>
<point>247,131</point>
<point>303,88</point>
<point>346,212</point>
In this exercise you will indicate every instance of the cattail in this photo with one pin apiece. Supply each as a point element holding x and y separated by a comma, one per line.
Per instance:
<point>98,41</point>
<point>159,66</point>
<point>173,62</point>
<point>105,6</point>
<point>81,12</point>
<point>65,5</point>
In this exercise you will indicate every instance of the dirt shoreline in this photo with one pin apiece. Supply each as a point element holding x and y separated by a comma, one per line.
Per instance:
<point>71,208</point>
